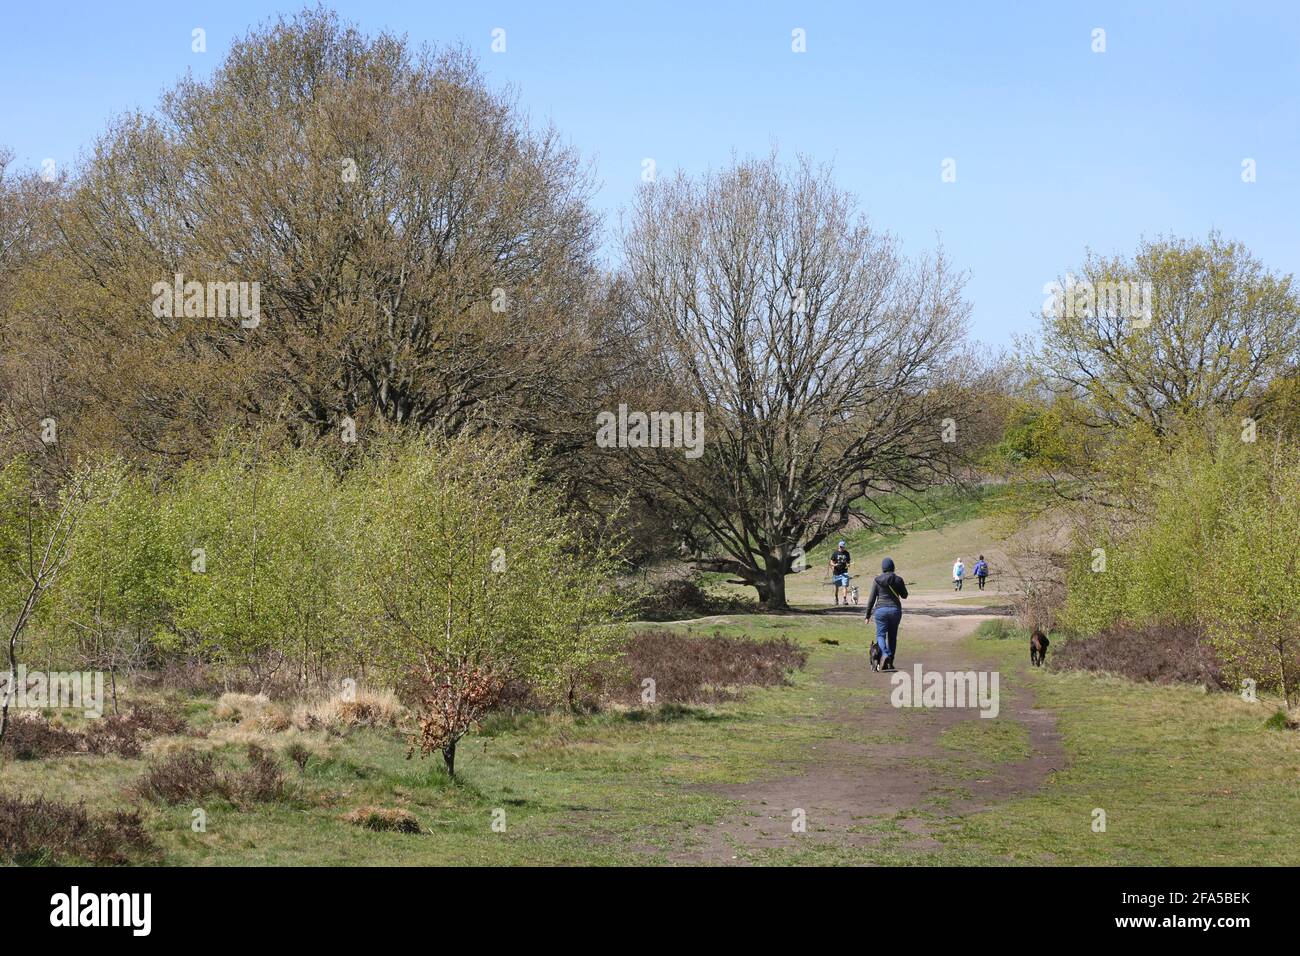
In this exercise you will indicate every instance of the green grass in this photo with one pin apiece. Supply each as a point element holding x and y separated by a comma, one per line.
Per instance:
<point>1185,777</point>
<point>931,510</point>
<point>1000,629</point>
<point>611,788</point>
<point>908,522</point>
<point>996,741</point>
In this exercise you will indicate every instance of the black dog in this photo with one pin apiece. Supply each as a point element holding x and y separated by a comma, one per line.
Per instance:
<point>875,656</point>
<point>1038,644</point>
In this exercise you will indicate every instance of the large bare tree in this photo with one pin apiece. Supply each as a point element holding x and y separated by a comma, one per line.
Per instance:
<point>819,355</point>
<point>424,255</point>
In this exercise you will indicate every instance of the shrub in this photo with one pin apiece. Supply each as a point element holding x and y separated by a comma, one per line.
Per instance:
<point>189,776</point>
<point>37,831</point>
<point>181,777</point>
<point>469,573</point>
<point>1209,543</point>
<point>32,737</point>
<point>383,819</point>
<point>156,721</point>
<point>689,670</point>
<point>1159,653</point>
<point>1283,719</point>
<point>682,597</point>
<point>451,699</point>
<point>268,530</point>
<point>449,558</point>
<point>262,782</point>
<point>298,754</point>
<point>111,599</point>
<point>113,734</point>
<point>125,734</point>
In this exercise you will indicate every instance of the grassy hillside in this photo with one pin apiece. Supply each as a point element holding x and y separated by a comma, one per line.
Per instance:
<point>924,529</point>
<point>940,526</point>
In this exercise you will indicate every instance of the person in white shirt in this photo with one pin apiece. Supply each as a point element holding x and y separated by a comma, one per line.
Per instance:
<point>958,572</point>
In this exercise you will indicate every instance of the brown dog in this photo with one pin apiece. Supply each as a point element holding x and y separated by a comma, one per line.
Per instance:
<point>1038,644</point>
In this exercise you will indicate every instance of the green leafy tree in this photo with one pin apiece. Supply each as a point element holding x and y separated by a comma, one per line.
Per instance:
<point>37,530</point>
<point>1255,609</point>
<point>1178,330</point>
<point>111,600</point>
<point>469,574</point>
<point>256,553</point>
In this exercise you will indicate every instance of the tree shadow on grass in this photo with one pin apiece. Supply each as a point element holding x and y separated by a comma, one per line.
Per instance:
<point>992,609</point>
<point>668,713</point>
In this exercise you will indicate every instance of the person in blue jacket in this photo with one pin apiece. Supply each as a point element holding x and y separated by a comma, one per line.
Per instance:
<point>887,593</point>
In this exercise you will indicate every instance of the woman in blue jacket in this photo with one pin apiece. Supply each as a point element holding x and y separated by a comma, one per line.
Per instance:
<point>887,593</point>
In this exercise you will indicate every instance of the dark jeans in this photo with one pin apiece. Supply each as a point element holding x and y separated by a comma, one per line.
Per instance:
<point>887,621</point>
<point>982,577</point>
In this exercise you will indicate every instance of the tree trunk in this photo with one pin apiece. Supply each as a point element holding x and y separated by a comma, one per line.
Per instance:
<point>11,689</point>
<point>771,591</point>
<point>449,758</point>
<point>1288,692</point>
<point>769,581</point>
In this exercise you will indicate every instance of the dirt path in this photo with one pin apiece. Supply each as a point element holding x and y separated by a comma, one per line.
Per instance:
<point>885,777</point>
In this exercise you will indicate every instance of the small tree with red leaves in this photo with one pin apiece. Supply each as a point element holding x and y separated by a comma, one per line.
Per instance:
<point>451,697</point>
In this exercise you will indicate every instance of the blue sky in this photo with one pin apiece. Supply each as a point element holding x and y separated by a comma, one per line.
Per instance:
<point>1057,148</point>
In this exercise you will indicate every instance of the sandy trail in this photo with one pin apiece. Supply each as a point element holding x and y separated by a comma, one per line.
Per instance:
<point>884,763</point>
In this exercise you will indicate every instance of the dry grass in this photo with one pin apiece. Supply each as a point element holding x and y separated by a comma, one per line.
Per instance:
<point>368,707</point>
<point>383,819</point>
<point>241,707</point>
<point>257,715</point>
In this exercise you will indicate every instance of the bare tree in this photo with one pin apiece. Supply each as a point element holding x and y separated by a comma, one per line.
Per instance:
<point>817,353</point>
